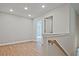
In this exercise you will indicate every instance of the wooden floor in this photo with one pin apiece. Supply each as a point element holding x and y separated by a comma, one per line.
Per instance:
<point>21,49</point>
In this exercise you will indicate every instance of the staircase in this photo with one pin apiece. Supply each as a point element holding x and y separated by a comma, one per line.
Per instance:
<point>55,49</point>
<point>58,44</point>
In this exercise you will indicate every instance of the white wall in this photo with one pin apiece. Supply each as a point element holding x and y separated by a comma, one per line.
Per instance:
<point>72,21</point>
<point>64,22</point>
<point>15,28</point>
<point>60,19</point>
<point>77,30</point>
<point>73,28</point>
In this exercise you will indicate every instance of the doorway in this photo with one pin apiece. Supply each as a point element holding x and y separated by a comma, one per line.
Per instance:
<point>39,30</point>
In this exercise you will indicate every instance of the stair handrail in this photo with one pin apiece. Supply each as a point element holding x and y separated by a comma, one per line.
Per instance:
<point>56,43</point>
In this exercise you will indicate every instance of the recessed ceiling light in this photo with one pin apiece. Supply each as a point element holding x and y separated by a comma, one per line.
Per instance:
<point>25,8</point>
<point>43,6</point>
<point>29,15</point>
<point>11,10</point>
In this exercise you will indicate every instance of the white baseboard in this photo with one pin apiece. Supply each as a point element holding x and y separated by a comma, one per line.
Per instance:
<point>11,43</point>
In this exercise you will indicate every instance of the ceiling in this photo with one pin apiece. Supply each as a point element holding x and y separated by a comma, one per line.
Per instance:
<point>34,9</point>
